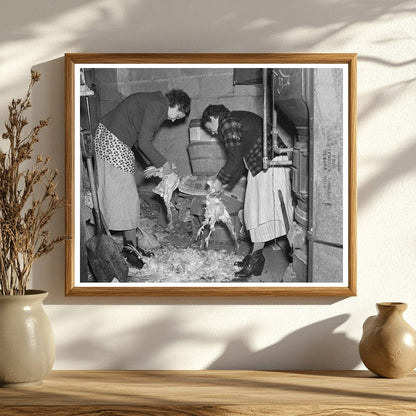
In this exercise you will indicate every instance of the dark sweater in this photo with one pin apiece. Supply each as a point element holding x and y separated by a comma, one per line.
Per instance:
<point>241,132</point>
<point>135,121</point>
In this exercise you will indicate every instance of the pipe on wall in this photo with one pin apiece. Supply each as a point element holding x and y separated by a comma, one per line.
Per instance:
<point>277,129</point>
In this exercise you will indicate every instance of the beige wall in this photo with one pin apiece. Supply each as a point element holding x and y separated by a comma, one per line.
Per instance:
<point>197,333</point>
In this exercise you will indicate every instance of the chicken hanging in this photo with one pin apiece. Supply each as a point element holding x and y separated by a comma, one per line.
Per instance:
<point>215,211</point>
<point>165,188</point>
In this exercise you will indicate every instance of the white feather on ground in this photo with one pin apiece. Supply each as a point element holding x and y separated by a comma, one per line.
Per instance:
<point>186,265</point>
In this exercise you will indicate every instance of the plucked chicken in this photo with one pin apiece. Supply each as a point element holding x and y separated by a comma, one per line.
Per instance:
<point>165,188</point>
<point>215,211</point>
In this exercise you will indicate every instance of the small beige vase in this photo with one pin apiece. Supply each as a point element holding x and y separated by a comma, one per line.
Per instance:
<point>388,345</point>
<point>27,346</point>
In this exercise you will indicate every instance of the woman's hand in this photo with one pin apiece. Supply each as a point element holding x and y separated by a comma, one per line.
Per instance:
<point>217,187</point>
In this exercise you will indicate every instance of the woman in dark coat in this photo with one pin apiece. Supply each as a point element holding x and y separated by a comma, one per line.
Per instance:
<point>242,135</point>
<point>132,123</point>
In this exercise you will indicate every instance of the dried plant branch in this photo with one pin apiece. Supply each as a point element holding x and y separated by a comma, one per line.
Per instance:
<point>23,217</point>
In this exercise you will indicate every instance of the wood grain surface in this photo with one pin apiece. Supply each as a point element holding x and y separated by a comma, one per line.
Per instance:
<point>202,393</point>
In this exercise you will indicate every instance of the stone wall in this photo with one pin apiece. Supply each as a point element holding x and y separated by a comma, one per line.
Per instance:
<point>204,85</point>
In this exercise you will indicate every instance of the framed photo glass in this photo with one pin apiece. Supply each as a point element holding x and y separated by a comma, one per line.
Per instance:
<point>211,174</point>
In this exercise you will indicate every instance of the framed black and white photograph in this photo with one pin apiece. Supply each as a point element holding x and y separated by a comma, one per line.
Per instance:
<point>211,174</point>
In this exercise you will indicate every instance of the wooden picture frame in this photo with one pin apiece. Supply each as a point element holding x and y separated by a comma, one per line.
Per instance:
<point>315,93</point>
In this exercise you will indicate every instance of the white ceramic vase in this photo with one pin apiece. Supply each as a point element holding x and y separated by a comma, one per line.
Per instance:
<point>27,346</point>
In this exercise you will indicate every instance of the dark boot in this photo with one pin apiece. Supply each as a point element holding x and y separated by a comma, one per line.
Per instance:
<point>243,262</point>
<point>142,252</point>
<point>254,267</point>
<point>145,253</point>
<point>132,255</point>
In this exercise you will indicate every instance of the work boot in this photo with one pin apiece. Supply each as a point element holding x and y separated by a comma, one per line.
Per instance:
<point>145,253</point>
<point>142,251</point>
<point>132,255</point>
<point>243,262</point>
<point>254,267</point>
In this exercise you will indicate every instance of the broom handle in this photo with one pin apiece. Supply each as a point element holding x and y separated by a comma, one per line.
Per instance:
<point>95,203</point>
<point>284,211</point>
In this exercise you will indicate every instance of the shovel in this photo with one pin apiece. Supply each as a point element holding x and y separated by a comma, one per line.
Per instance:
<point>104,256</point>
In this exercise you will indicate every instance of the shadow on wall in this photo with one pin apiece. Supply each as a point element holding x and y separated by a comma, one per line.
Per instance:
<point>48,100</point>
<point>102,25</point>
<point>396,167</point>
<point>143,347</point>
<point>316,346</point>
<point>313,347</point>
<point>133,18</point>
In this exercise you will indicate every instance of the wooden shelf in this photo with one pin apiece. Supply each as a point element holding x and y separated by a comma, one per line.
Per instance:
<point>203,393</point>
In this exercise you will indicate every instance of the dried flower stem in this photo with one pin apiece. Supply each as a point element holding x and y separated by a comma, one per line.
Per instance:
<point>23,218</point>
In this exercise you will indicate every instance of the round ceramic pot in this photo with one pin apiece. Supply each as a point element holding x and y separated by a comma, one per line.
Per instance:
<point>388,345</point>
<point>27,347</point>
